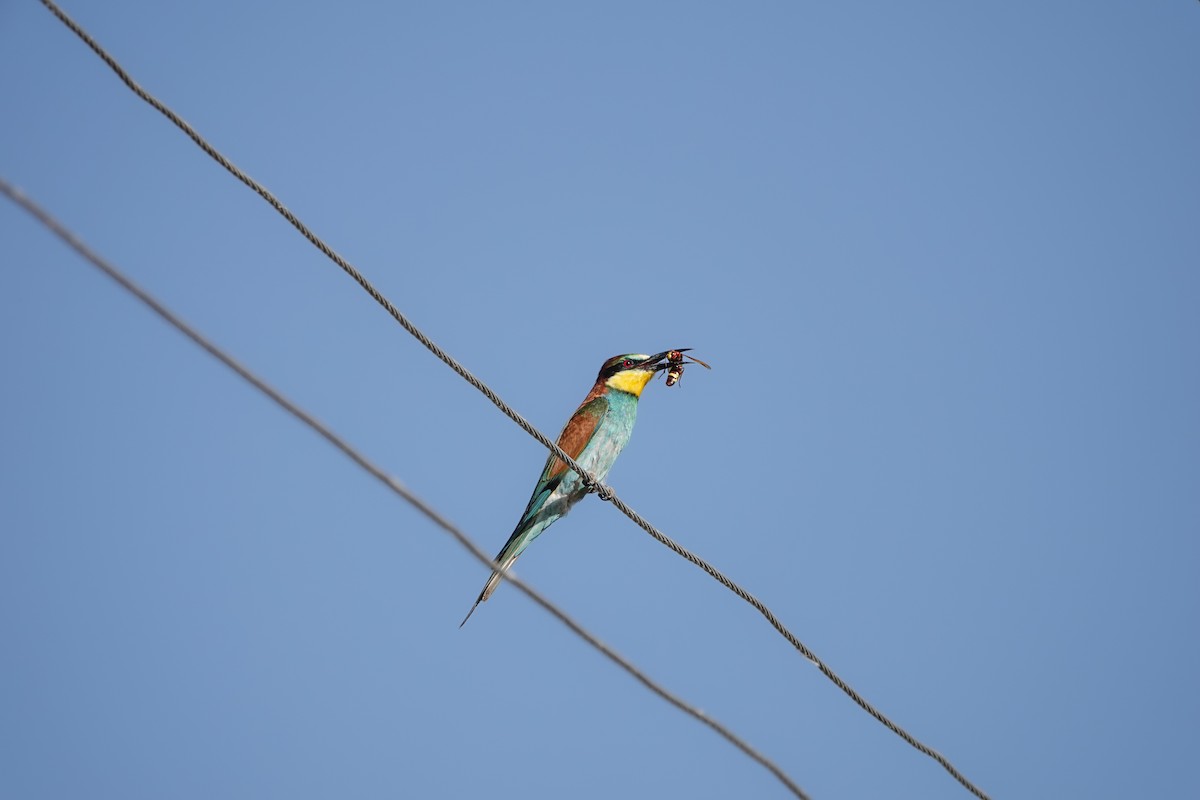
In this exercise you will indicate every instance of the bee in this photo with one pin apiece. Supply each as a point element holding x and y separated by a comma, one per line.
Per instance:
<point>675,370</point>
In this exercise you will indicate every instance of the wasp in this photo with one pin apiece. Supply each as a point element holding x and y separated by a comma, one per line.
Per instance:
<point>675,359</point>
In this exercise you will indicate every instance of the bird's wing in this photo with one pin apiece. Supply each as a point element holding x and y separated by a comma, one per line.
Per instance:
<point>573,439</point>
<point>576,435</point>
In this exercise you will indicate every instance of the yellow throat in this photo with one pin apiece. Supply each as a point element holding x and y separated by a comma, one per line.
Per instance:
<point>632,381</point>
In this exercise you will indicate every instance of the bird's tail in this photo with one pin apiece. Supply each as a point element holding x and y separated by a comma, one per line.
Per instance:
<point>490,586</point>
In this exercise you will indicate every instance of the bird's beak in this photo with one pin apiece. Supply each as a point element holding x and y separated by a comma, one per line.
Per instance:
<point>659,361</point>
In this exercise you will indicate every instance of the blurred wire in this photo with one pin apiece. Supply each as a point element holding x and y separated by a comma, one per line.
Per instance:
<point>396,486</point>
<point>603,491</point>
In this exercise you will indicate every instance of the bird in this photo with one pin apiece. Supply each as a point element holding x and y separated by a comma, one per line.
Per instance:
<point>594,436</point>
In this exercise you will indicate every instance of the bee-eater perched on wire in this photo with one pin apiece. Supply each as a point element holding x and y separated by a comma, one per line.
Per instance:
<point>594,436</point>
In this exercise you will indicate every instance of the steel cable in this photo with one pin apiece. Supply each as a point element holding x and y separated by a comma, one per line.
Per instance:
<point>604,492</point>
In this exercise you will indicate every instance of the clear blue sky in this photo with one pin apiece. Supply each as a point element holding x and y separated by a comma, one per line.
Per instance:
<point>944,258</point>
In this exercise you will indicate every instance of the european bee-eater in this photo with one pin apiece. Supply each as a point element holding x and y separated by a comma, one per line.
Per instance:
<point>594,436</point>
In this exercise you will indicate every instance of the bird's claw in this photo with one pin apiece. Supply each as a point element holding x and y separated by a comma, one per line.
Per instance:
<point>600,490</point>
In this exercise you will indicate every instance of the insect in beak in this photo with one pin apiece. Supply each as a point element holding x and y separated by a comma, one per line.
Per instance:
<point>675,362</point>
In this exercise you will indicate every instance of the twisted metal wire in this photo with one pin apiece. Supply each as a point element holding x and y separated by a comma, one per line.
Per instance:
<point>604,492</point>
<point>392,483</point>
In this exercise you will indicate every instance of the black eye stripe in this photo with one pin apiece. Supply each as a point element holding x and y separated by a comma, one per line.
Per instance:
<point>617,364</point>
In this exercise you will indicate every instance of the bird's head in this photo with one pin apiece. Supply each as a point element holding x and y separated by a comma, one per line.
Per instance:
<point>631,372</point>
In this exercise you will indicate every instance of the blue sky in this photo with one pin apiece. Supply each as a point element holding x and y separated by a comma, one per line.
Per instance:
<point>942,257</point>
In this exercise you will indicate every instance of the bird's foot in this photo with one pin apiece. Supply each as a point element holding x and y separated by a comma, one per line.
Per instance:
<point>600,490</point>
